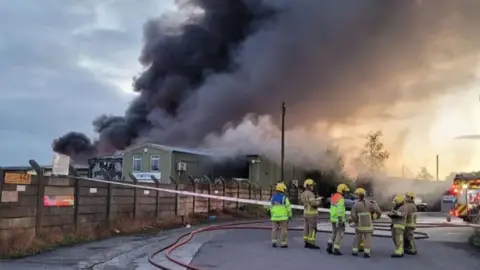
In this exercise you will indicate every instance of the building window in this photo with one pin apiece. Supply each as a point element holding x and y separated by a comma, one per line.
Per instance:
<point>137,163</point>
<point>155,163</point>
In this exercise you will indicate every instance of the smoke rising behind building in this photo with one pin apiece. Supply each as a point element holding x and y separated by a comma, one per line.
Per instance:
<point>332,61</point>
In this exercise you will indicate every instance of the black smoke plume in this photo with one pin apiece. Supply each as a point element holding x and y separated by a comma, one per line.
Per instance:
<point>327,59</point>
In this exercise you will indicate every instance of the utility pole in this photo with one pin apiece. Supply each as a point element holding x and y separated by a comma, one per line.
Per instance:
<point>437,167</point>
<point>282,158</point>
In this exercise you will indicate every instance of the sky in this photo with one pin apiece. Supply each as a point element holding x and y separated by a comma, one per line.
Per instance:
<point>66,62</point>
<point>63,64</point>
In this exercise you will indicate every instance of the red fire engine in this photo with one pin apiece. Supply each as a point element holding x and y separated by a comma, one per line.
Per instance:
<point>466,193</point>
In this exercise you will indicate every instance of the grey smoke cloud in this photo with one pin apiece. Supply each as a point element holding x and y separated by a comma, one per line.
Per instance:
<point>327,59</point>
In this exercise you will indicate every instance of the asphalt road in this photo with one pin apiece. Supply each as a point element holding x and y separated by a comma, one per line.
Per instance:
<point>251,249</point>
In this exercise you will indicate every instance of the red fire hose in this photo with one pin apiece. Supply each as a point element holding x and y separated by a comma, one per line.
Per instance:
<point>185,238</point>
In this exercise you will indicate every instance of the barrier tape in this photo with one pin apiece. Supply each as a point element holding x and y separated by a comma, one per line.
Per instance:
<point>226,198</point>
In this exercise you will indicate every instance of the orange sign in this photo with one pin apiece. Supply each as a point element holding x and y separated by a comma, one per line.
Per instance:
<point>17,178</point>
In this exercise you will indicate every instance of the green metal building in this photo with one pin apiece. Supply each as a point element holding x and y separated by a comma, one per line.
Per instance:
<point>181,165</point>
<point>165,163</point>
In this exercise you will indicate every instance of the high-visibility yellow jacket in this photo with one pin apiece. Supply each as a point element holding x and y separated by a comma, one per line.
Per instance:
<point>337,208</point>
<point>280,207</point>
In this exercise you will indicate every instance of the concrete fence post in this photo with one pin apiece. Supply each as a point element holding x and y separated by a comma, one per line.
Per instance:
<point>175,184</point>
<point>76,198</point>
<point>209,202</point>
<point>192,181</point>
<point>224,188</point>
<point>238,194</point>
<point>157,197</point>
<point>40,194</point>
<point>108,199</point>
<point>135,195</point>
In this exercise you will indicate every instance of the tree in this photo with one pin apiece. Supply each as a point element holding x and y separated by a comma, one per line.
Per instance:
<point>424,174</point>
<point>374,155</point>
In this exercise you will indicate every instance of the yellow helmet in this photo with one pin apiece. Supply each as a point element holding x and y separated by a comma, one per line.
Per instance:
<point>410,195</point>
<point>308,182</point>
<point>342,188</point>
<point>360,191</point>
<point>399,199</point>
<point>281,187</point>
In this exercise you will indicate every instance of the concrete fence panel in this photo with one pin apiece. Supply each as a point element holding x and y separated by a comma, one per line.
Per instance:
<point>34,204</point>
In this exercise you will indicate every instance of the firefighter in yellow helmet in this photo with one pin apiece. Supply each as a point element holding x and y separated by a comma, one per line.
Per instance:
<point>280,214</point>
<point>399,218</point>
<point>362,215</point>
<point>338,219</point>
<point>310,213</point>
<point>411,224</point>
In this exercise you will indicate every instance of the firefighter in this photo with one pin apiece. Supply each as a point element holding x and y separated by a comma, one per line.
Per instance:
<point>399,218</point>
<point>411,223</point>
<point>280,214</point>
<point>310,214</point>
<point>362,215</point>
<point>338,219</point>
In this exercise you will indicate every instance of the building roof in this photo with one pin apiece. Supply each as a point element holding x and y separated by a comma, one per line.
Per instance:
<point>200,152</point>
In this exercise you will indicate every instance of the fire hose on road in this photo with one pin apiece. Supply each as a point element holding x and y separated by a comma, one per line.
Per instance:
<point>187,237</point>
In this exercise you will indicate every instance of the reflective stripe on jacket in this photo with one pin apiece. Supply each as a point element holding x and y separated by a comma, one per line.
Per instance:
<point>399,220</point>
<point>280,208</point>
<point>309,202</point>
<point>337,208</point>
<point>361,214</point>
<point>411,215</point>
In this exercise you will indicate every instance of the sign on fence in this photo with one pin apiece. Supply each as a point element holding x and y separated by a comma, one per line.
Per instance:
<point>9,196</point>
<point>61,164</point>
<point>17,178</point>
<point>58,200</point>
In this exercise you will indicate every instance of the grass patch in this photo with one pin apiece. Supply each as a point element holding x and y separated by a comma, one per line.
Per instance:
<point>21,244</point>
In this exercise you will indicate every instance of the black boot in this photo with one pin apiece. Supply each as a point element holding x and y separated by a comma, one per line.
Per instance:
<point>395,255</point>
<point>366,255</point>
<point>329,248</point>
<point>284,246</point>
<point>411,252</point>
<point>274,245</point>
<point>313,246</point>
<point>337,252</point>
<point>355,253</point>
